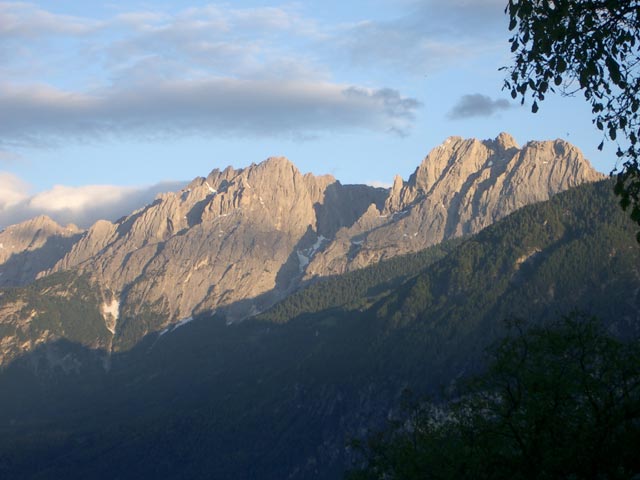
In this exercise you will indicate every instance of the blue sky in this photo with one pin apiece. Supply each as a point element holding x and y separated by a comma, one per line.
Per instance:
<point>104,104</point>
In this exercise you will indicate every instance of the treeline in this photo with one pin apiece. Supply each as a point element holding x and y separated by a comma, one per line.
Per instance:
<point>548,253</point>
<point>356,290</point>
<point>272,401</point>
<point>576,251</point>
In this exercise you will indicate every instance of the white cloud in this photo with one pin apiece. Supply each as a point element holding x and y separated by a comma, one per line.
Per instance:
<point>378,184</point>
<point>209,71</point>
<point>135,47</point>
<point>26,20</point>
<point>12,190</point>
<point>214,40</point>
<point>223,40</point>
<point>76,199</point>
<point>79,205</point>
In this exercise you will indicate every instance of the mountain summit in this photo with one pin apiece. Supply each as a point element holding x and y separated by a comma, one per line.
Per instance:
<point>461,187</point>
<point>32,246</point>
<point>240,239</point>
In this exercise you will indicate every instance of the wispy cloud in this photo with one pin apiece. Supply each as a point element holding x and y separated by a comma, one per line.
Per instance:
<point>477,105</point>
<point>213,40</point>
<point>79,205</point>
<point>212,71</point>
<point>430,36</point>
<point>223,41</point>
<point>26,20</point>
<point>12,190</point>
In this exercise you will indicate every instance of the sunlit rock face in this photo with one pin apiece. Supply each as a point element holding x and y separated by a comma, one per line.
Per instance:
<point>461,187</point>
<point>236,235</point>
<point>241,239</point>
<point>29,248</point>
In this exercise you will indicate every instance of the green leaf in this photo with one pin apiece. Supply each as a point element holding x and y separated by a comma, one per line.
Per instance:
<point>562,65</point>
<point>614,70</point>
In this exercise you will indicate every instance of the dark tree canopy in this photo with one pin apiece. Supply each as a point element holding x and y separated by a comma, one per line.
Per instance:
<point>557,401</point>
<point>588,47</point>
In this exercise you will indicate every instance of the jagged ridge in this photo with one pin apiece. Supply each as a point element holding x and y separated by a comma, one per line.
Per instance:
<point>461,187</point>
<point>248,237</point>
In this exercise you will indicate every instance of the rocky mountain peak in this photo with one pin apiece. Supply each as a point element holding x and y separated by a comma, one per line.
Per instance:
<point>395,198</point>
<point>243,238</point>
<point>32,234</point>
<point>44,223</point>
<point>235,234</point>
<point>451,165</point>
<point>277,163</point>
<point>41,221</point>
<point>31,247</point>
<point>505,141</point>
<point>462,186</point>
<point>452,161</point>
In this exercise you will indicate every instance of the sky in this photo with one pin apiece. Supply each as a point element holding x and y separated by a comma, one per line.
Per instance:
<point>105,104</point>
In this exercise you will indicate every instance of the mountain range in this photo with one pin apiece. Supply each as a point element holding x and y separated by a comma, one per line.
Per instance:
<point>281,394</point>
<point>240,240</point>
<point>256,322</point>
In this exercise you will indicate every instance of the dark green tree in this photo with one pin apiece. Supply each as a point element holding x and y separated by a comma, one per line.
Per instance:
<point>557,401</point>
<point>587,46</point>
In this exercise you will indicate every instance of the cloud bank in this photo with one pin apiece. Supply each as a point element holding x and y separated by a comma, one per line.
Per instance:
<point>211,71</point>
<point>219,70</point>
<point>477,105</point>
<point>79,205</point>
<point>210,108</point>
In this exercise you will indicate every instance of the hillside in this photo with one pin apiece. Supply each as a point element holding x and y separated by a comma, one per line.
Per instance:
<point>278,396</point>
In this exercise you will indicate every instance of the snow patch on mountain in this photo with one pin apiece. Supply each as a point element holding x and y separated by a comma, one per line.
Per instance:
<point>305,255</point>
<point>110,312</point>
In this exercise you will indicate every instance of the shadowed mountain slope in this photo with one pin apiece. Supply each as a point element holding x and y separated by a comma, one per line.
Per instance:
<point>278,396</point>
<point>240,240</point>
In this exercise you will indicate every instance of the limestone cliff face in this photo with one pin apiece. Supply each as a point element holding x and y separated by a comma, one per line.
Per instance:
<point>461,187</point>
<point>236,235</point>
<point>240,239</point>
<point>28,248</point>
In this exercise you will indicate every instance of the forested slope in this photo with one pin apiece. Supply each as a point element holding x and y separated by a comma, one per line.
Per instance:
<point>279,396</point>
